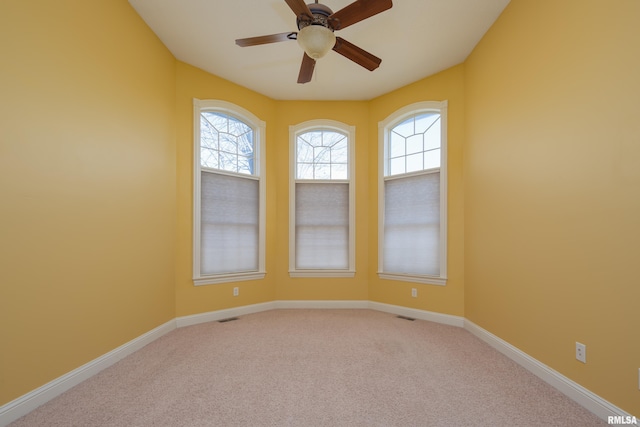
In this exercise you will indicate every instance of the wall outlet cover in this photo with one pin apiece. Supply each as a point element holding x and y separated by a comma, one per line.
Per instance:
<point>581,352</point>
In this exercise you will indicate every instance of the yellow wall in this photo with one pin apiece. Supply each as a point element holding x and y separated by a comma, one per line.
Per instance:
<point>447,85</point>
<point>552,188</point>
<point>193,83</point>
<point>87,185</point>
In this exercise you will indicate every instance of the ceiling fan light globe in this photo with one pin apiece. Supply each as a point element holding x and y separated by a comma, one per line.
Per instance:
<point>316,40</point>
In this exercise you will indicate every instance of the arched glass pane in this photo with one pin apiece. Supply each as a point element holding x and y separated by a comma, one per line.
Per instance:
<point>405,128</point>
<point>413,144</point>
<point>432,136</point>
<point>414,163</point>
<point>424,121</point>
<point>340,153</point>
<point>322,154</point>
<point>208,158</point>
<point>397,166</point>
<point>432,159</point>
<point>339,171</point>
<point>398,145</point>
<point>226,143</point>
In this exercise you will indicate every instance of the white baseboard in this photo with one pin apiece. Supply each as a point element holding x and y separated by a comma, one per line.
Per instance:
<point>214,316</point>
<point>414,313</point>
<point>323,304</point>
<point>568,387</point>
<point>30,401</point>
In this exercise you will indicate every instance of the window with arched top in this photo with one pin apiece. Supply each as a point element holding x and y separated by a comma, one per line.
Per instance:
<point>229,194</point>
<point>412,194</point>
<point>226,143</point>
<point>322,210</point>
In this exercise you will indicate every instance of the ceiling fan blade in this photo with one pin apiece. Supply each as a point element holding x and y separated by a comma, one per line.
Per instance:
<point>299,7</point>
<point>306,69</point>
<point>272,38</point>
<point>356,54</point>
<point>357,11</point>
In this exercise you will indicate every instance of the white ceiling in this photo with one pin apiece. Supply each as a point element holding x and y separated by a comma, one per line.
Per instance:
<point>415,39</point>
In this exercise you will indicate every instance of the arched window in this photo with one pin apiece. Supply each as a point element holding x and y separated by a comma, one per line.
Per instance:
<point>322,211</point>
<point>412,194</point>
<point>229,219</point>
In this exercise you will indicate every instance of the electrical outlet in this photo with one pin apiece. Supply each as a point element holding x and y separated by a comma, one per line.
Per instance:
<point>414,292</point>
<point>581,352</point>
<point>236,291</point>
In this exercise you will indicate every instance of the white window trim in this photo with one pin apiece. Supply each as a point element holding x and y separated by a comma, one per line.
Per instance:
<point>259,128</point>
<point>294,131</point>
<point>383,138</point>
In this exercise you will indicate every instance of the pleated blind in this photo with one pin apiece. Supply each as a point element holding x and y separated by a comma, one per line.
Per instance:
<point>229,217</point>
<point>322,225</point>
<point>412,224</point>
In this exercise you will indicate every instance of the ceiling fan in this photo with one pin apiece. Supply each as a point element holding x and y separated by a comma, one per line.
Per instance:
<point>316,24</point>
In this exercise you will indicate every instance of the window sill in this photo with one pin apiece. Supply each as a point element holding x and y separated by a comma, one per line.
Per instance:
<point>322,273</point>
<point>427,280</point>
<point>231,277</point>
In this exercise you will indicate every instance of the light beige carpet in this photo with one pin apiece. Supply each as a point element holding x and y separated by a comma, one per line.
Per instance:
<point>314,368</point>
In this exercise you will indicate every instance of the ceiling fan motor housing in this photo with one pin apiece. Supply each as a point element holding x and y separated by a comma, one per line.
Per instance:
<point>320,14</point>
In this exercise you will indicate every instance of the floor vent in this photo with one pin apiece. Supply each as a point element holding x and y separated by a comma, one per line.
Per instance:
<point>230,319</point>
<point>406,318</point>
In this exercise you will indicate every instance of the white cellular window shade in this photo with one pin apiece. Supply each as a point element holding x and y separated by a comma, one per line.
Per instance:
<point>412,225</point>
<point>412,194</point>
<point>230,222</point>
<point>322,226</point>
<point>229,194</point>
<point>322,214</point>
